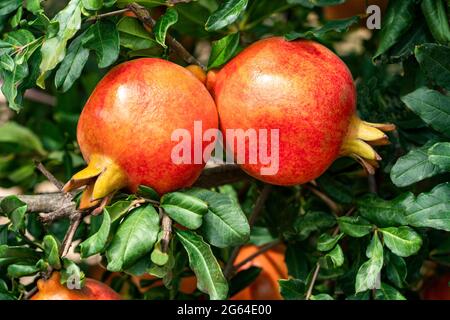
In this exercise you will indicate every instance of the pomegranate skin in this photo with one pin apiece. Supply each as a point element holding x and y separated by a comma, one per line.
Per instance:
<point>132,114</point>
<point>299,87</point>
<point>437,288</point>
<point>52,289</point>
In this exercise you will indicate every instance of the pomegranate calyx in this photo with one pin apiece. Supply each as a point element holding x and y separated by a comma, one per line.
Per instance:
<point>102,178</point>
<point>362,136</point>
<point>198,72</point>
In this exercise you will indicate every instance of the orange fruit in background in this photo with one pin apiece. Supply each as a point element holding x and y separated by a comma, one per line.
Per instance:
<point>437,288</point>
<point>351,8</point>
<point>52,289</point>
<point>265,287</point>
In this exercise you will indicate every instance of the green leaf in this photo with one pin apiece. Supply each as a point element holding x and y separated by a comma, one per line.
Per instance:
<point>439,155</point>
<point>383,213</point>
<point>292,289</point>
<point>434,60</point>
<point>321,296</point>
<point>3,234</point>
<point>14,254</point>
<point>118,209</point>
<point>133,35</point>
<point>227,13</point>
<point>225,224</point>
<point>185,209</point>
<point>72,65</point>
<point>430,209</point>
<point>260,236</point>
<point>396,269</point>
<point>54,49</point>
<point>34,6</point>
<point>313,221</point>
<point>413,167</point>
<point>394,28</point>
<point>356,227</point>
<point>404,48</point>
<point>339,26</point>
<point>403,241</point>
<point>21,270</point>
<point>326,242</point>
<point>103,38</point>
<point>437,20</point>
<point>11,132</point>
<point>97,242</point>
<point>9,6</point>
<point>243,279</point>
<point>51,250</point>
<point>333,259</point>
<point>432,106</point>
<point>92,4</point>
<point>386,292</point>
<point>15,210</point>
<point>163,24</point>
<point>316,3</point>
<point>71,275</point>
<point>135,237</point>
<point>296,262</point>
<point>7,63</point>
<point>223,50</point>
<point>11,84</point>
<point>210,278</point>
<point>369,272</point>
<point>148,193</point>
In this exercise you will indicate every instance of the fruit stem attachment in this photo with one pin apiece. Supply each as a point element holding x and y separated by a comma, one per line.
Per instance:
<point>361,138</point>
<point>101,178</point>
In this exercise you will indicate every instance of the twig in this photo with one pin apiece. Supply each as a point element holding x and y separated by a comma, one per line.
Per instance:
<point>30,293</point>
<point>108,14</point>
<point>229,269</point>
<point>144,16</point>
<point>261,250</point>
<point>49,176</point>
<point>313,281</point>
<point>334,207</point>
<point>172,2</point>
<point>68,238</point>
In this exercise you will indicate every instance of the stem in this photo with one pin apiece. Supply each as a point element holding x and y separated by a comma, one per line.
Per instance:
<point>313,281</point>
<point>108,14</point>
<point>68,238</point>
<point>229,270</point>
<point>49,176</point>
<point>334,207</point>
<point>144,16</point>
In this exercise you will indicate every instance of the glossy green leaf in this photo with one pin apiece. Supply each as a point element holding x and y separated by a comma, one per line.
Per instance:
<point>92,4</point>
<point>163,24</point>
<point>333,259</point>
<point>119,209</point>
<point>185,209</point>
<point>33,6</point>
<point>9,6</point>
<point>369,273</point>
<point>202,261</point>
<point>437,19</point>
<point>223,50</point>
<point>103,38</point>
<point>313,221</point>
<point>134,238</point>
<point>434,60</point>
<point>53,49</point>
<point>225,224</point>
<point>327,242</point>
<point>51,250</point>
<point>227,13</point>
<point>15,254</point>
<point>296,262</point>
<point>432,106</point>
<point>383,213</point>
<point>394,28</point>
<point>439,155</point>
<point>386,292</point>
<point>330,26</point>
<point>292,289</point>
<point>403,241</point>
<point>356,227</point>
<point>396,270</point>
<point>97,242</point>
<point>15,210</point>
<point>21,270</point>
<point>413,167</point>
<point>260,236</point>
<point>321,296</point>
<point>11,132</point>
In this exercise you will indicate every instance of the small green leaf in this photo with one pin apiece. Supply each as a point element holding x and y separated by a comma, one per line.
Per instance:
<point>92,4</point>
<point>439,155</point>
<point>292,289</point>
<point>223,50</point>
<point>333,259</point>
<point>396,269</point>
<point>103,38</point>
<point>148,193</point>
<point>15,210</point>
<point>432,106</point>
<point>163,24</point>
<point>437,20</point>
<point>403,241</point>
<point>383,213</point>
<point>34,6</point>
<point>225,224</point>
<point>317,3</point>
<point>97,242</point>
<point>202,261</point>
<point>369,273</point>
<point>9,6</point>
<point>134,36</point>
<point>71,275</point>
<point>135,238</point>
<point>313,221</point>
<point>356,227</point>
<point>227,13</point>
<point>14,254</point>
<point>434,60</point>
<point>386,292</point>
<point>51,250</point>
<point>339,26</point>
<point>21,270</point>
<point>413,167</point>
<point>296,262</point>
<point>184,209</point>
<point>118,209</point>
<point>321,296</point>
<point>326,242</point>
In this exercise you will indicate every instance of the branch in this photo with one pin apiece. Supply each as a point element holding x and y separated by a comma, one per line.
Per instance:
<point>108,14</point>
<point>49,176</point>
<point>68,238</point>
<point>334,207</point>
<point>144,16</point>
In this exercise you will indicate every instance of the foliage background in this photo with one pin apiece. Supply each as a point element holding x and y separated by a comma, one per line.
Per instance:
<point>394,224</point>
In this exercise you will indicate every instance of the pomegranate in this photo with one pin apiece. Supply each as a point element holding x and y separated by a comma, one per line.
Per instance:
<point>125,129</point>
<point>306,92</point>
<point>52,289</point>
<point>437,288</point>
<point>265,287</point>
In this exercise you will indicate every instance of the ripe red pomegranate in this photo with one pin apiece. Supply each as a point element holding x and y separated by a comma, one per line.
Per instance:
<point>125,129</point>
<point>437,288</point>
<point>52,289</point>
<point>306,92</point>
